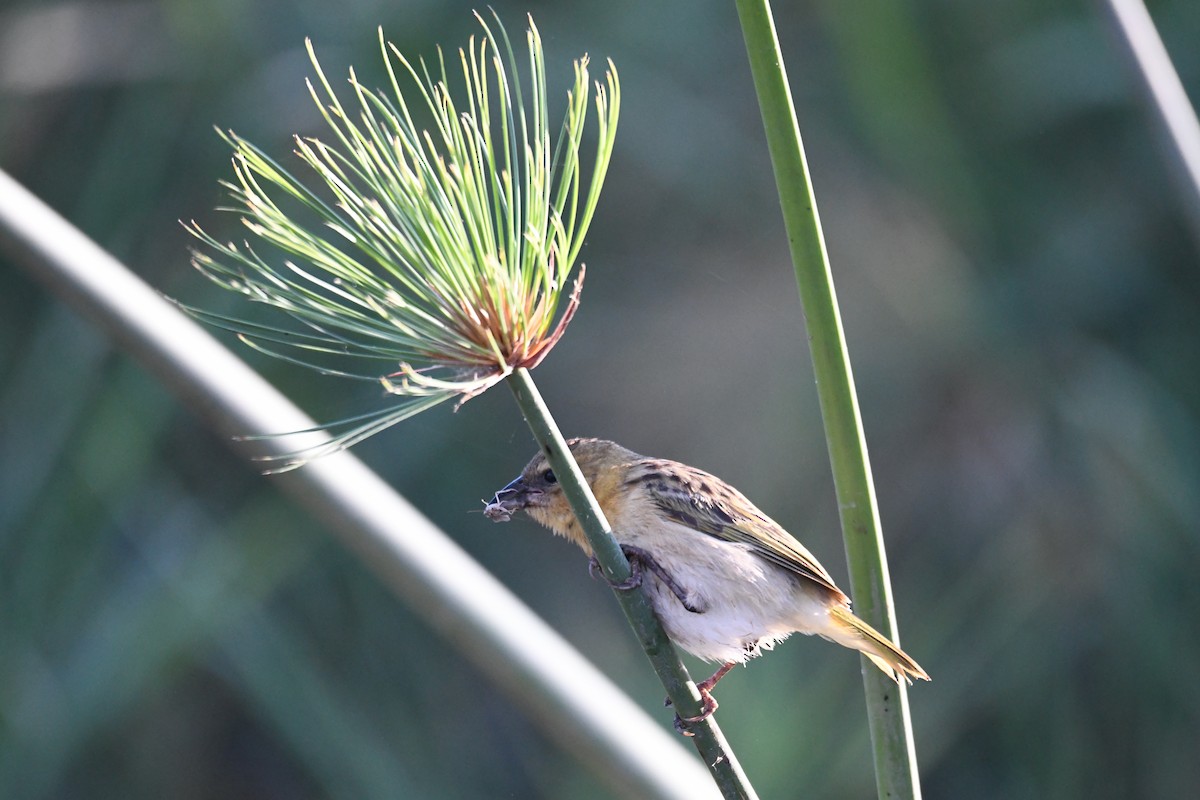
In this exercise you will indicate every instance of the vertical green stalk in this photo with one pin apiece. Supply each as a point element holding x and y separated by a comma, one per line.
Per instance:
<point>709,740</point>
<point>887,702</point>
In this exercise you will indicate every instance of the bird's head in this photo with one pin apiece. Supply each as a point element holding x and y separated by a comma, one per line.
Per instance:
<point>537,491</point>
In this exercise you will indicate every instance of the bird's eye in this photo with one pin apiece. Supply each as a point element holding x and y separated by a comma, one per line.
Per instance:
<point>548,476</point>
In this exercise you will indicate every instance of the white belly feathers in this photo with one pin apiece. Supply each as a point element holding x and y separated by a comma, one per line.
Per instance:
<point>741,610</point>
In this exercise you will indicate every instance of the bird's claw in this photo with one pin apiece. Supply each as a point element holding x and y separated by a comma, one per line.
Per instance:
<point>632,582</point>
<point>708,704</point>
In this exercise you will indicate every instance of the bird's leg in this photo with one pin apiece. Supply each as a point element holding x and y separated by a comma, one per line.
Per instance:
<point>708,702</point>
<point>635,554</point>
<point>637,559</point>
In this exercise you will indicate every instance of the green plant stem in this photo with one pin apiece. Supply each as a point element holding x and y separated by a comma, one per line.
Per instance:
<point>709,740</point>
<point>887,703</point>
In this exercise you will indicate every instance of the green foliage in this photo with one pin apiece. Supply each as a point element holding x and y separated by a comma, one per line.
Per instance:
<point>441,258</point>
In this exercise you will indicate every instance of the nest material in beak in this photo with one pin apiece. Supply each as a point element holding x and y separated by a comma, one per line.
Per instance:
<point>508,501</point>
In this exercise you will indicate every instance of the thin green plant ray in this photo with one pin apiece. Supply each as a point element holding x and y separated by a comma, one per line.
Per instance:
<point>257,344</point>
<point>347,421</point>
<point>296,339</point>
<point>379,421</point>
<point>314,316</point>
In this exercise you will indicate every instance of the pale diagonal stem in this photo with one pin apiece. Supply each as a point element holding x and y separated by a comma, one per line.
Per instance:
<point>1165,95</point>
<point>565,694</point>
<point>887,703</point>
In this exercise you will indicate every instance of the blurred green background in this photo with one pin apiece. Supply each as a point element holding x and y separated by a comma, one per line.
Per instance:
<point>1020,295</point>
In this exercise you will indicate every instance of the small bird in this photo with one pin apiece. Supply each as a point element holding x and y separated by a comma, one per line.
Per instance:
<point>725,580</point>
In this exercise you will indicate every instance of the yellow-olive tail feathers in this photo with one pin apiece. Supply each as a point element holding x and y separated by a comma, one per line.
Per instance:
<point>852,632</point>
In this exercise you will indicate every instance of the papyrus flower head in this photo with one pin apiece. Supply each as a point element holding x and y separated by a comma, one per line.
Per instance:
<point>434,234</point>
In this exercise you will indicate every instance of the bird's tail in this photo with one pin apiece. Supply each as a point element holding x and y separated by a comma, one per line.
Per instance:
<point>850,631</point>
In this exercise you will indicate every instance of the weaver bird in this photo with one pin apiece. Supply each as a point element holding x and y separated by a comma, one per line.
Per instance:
<point>725,580</point>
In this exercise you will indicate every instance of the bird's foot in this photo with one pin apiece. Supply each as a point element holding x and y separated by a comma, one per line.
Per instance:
<point>708,703</point>
<point>632,582</point>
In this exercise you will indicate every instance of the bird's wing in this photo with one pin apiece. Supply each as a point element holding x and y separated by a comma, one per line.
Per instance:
<point>707,504</point>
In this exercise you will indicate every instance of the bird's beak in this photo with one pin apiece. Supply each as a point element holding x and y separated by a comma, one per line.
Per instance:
<point>514,497</point>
